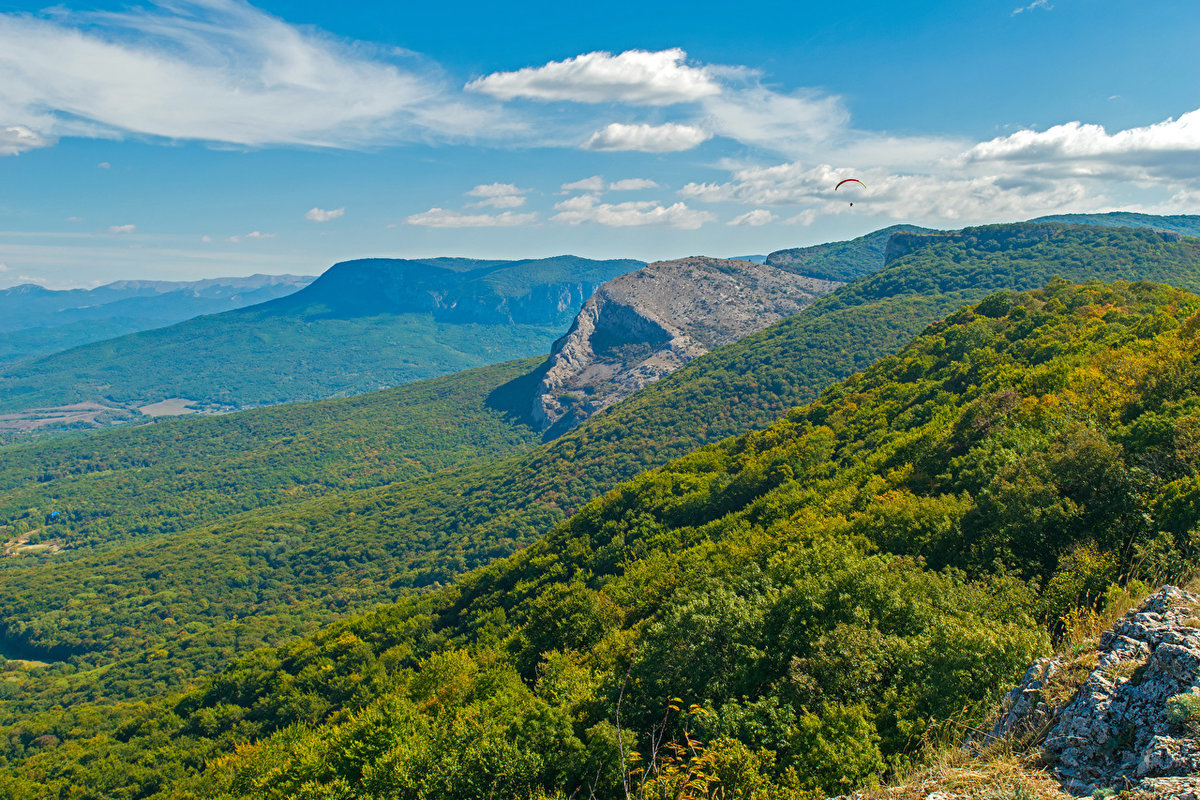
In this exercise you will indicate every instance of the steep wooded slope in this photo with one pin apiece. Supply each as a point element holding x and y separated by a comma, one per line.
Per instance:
<point>350,550</point>
<point>794,608</point>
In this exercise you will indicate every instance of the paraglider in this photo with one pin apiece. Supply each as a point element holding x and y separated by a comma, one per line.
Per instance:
<point>849,180</point>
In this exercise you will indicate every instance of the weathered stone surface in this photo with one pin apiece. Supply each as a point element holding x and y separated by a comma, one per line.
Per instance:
<point>1114,732</point>
<point>639,327</point>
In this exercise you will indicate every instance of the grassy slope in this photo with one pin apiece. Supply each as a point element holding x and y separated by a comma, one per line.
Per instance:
<point>826,589</point>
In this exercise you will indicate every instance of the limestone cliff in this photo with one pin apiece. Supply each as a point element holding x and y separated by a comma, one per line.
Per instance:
<point>642,326</point>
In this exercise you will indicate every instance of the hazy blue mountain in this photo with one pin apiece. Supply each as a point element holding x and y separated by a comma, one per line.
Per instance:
<point>35,321</point>
<point>362,325</point>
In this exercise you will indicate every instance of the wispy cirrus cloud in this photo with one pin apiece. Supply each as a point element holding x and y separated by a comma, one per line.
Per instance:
<point>759,216</point>
<point>447,218</point>
<point>214,70</point>
<point>1036,4</point>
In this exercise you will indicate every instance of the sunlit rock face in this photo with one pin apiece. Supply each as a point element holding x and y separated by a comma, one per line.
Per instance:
<point>642,326</point>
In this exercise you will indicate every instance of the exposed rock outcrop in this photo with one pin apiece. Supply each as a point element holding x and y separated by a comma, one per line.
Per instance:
<point>642,326</point>
<point>1125,728</point>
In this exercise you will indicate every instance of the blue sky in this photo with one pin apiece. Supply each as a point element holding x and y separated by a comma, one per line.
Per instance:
<point>191,139</point>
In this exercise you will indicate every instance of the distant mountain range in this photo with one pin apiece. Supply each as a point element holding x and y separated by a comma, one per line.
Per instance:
<point>361,326</point>
<point>35,321</point>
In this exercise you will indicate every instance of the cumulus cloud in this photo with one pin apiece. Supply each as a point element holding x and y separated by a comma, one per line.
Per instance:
<point>1163,144</point>
<point>16,139</point>
<point>636,77</point>
<point>634,214</point>
<point>104,165</point>
<point>495,190</point>
<point>632,185</point>
<point>321,215</point>
<point>498,195</point>
<point>759,216</point>
<point>592,184</point>
<point>122,228</point>
<point>669,137</point>
<point>597,185</point>
<point>214,70</point>
<point>446,218</point>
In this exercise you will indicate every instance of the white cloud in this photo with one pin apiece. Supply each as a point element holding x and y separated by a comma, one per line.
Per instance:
<point>632,185</point>
<point>3,267</point>
<point>790,123</point>
<point>500,201</point>
<point>15,139</point>
<point>669,137</point>
<point>498,195</point>
<point>597,185</point>
<point>1073,141</point>
<point>759,216</point>
<point>446,218</point>
<point>635,77</point>
<point>495,190</point>
<point>634,214</point>
<point>206,239</point>
<point>214,70</point>
<point>939,195</point>
<point>592,184</point>
<point>251,235</point>
<point>122,228</point>
<point>1042,4</point>
<point>321,215</point>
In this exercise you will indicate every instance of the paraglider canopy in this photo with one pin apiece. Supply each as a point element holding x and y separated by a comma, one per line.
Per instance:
<point>849,180</point>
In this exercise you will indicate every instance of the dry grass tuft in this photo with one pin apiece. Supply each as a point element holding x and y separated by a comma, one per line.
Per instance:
<point>1061,687</point>
<point>999,776</point>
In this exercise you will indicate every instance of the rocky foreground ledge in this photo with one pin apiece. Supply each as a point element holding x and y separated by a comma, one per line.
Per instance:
<point>1132,724</point>
<point>1116,718</point>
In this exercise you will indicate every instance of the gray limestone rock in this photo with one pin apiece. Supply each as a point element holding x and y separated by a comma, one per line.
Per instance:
<point>1114,732</point>
<point>642,326</point>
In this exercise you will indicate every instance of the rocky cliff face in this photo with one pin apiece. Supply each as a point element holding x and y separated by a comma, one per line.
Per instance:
<point>642,326</point>
<point>1132,724</point>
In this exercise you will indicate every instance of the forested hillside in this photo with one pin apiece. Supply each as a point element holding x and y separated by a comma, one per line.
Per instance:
<point>314,560</point>
<point>840,261</point>
<point>362,326</point>
<point>793,610</point>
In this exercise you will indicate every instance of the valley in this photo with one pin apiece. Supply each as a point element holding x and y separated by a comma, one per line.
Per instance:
<point>155,555</point>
